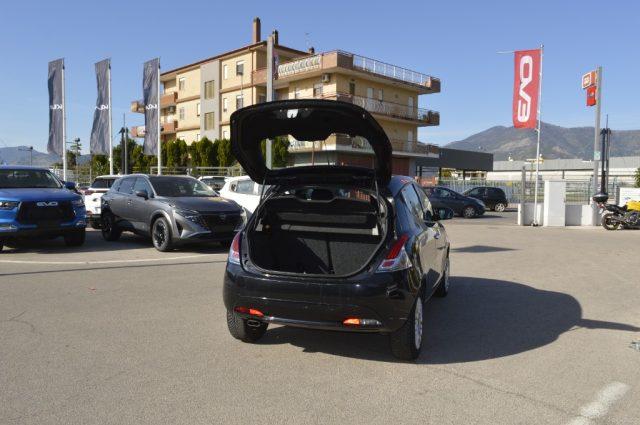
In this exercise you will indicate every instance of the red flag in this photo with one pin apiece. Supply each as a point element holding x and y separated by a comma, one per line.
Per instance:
<point>526,88</point>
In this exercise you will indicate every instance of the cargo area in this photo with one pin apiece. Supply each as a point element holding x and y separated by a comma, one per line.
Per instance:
<point>315,231</point>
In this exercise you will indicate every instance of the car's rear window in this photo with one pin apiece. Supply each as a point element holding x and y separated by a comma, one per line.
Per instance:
<point>102,183</point>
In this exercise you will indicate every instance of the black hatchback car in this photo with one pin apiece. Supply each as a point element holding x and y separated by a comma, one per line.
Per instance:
<point>332,247</point>
<point>466,206</point>
<point>170,209</point>
<point>493,197</point>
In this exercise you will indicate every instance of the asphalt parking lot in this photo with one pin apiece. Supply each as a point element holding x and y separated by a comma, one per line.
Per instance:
<point>537,329</point>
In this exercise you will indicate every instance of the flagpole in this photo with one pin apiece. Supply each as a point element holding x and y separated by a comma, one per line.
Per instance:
<point>64,129</point>
<point>158,129</point>
<point>110,124</point>
<point>535,196</point>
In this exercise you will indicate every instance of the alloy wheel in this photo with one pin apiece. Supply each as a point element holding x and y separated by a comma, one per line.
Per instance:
<point>500,207</point>
<point>159,233</point>
<point>469,212</point>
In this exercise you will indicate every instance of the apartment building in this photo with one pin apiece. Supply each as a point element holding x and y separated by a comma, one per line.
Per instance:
<point>198,99</point>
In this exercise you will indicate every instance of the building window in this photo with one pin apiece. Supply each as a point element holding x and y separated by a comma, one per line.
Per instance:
<point>317,90</point>
<point>370,92</point>
<point>197,137</point>
<point>380,95</point>
<point>296,93</point>
<point>181,83</point>
<point>208,120</point>
<point>352,88</point>
<point>239,101</point>
<point>209,91</point>
<point>225,104</point>
<point>181,114</point>
<point>225,134</point>
<point>240,68</point>
<point>225,71</point>
<point>198,109</point>
<point>262,98</point>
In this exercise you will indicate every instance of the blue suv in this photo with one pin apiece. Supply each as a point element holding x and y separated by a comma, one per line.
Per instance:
<point>34,203</point>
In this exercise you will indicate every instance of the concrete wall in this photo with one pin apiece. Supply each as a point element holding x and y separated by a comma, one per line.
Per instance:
<point>210,72</point>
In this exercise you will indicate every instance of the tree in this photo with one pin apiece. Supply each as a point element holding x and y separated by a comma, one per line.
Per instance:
<point>637,175</point>
<point>279,151</point>
<point>99,165</point>
<point>203,153</point>
<point>225,157</point>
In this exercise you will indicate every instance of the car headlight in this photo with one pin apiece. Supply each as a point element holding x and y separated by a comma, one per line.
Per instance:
<point>78,202</point>
<point>8,205</point>
<point>190,215</point>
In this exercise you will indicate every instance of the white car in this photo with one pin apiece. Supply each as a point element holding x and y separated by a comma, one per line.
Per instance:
<point>92,196</point>
<point>214,182</point>
<point>243,190</point>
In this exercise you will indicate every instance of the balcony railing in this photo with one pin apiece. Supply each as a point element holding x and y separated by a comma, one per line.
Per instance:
<point>395,110</point>
<point>168,99</point>
<point>392,71</point>
<point>297,66</point>
<point>336,142</point>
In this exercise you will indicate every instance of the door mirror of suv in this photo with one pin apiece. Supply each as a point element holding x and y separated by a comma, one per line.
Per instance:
<point>142,193</point>
<point>70,185</point>
<point>443,213</point>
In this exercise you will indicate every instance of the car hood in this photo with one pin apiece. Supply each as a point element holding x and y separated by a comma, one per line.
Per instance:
<point>37,194</point>
<point>205,204</point>
<point>307,120</point>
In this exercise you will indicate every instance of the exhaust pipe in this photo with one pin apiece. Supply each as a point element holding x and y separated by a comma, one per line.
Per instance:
<point>254,323</point>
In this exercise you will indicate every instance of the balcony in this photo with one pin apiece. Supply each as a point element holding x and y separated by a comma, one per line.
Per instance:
<point>359,144</point>
<point>325,62</point>
<point>168,99</point>
<point>394,110</point>
<point>168,127</point>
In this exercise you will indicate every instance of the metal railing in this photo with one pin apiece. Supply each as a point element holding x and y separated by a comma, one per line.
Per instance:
<point>394,109</point>
<point>387,70</point>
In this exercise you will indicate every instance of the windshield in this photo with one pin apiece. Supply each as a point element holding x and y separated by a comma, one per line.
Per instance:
<point>102,183</point>
<point>26,179</point>
<point>172,187</point>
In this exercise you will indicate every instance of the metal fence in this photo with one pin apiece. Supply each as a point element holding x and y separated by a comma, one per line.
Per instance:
<point>578,191</point>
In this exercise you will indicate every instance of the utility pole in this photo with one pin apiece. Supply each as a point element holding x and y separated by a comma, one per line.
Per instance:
<point>124,151</point>
<point>76,147</point>
<point>596,145</point>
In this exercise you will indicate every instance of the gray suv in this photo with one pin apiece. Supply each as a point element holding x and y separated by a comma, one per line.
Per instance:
<point>170,209</point>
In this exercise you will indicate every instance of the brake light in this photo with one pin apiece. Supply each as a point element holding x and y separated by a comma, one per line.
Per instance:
<point>247,310</point>
<point>351,321</point>
<point>234,250</point>
<point>397,258</point>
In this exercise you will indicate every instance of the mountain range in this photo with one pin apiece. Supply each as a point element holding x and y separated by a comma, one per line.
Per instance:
<point>556,142</point>
<point>19,155</point>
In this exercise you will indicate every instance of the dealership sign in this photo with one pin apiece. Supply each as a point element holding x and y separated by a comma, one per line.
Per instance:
<point>526,88</point>
<point>589,79</point>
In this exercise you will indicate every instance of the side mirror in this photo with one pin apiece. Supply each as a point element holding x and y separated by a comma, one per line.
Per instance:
<point>142,193</point>
<point>442,213</point>
<point>70,185</point>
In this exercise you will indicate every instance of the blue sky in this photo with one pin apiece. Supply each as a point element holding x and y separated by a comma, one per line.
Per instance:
<point>455,40</point>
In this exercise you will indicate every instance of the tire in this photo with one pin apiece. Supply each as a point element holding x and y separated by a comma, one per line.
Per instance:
<point>76,238</point>
<point>161,235</point>
<point>95,224</point>
<point>469,212</point>
<point>443,287</point>
<point>239,329</point>
<point>110,230</point>
<point>608,224</point>
<point>499,207</point>
<point>407,341</point>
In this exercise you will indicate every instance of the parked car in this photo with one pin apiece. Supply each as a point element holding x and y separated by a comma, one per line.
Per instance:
<point>214,182</point>
<point>92,196</point>
<point>34,203</point>
<point>332,247</point>
<point>170,209</point>
<point>466,206</point>
<point>243,190</point>
<point>493,197</point>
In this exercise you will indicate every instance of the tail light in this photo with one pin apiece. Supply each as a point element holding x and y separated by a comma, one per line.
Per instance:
<point>247,310</point>
<point>397,258</point>
<point>234,251</point>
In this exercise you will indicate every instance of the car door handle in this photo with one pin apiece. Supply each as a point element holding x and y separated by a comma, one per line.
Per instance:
<point>129,202</point>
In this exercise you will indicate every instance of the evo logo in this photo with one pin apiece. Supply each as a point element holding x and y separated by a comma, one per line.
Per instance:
<point>56,106</point>
<point>151,106</point>
<point>47,204</point>
<point>524,99</point>
<point>102,108</point>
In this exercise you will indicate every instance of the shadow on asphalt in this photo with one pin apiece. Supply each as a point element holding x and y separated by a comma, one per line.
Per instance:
<point>481,319</point>
<point>478,249</point>
<point>95,243</point>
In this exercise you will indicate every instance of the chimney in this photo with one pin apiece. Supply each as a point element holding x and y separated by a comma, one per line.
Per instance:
<point>256,31</point>
<point>275,37</point>
<point>311,50</point>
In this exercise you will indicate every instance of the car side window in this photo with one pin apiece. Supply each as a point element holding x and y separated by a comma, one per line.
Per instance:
<point>141,184</point>
<point>474,192</point>
<point>427,211</point>
<point>245,187</point>
<point>413,202</point>
<point>442,193</point>
<point>126,186</point>
<point>116,185</point>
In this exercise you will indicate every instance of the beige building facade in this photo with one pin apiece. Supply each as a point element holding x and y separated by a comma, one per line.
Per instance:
<point>198,99</point>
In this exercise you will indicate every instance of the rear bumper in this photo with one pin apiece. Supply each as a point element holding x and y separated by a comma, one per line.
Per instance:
<point>322,303</point>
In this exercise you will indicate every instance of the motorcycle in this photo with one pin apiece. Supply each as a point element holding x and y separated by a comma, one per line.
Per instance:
<point>616,217</point>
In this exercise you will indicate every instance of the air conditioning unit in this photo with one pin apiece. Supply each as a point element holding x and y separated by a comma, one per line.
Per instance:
<point>326,78</point>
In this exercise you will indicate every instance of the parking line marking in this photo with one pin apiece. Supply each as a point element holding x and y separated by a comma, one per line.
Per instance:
<point>137,260</point>
<point>600,406</point>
